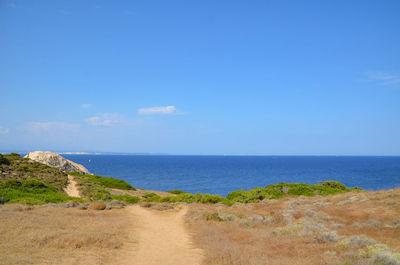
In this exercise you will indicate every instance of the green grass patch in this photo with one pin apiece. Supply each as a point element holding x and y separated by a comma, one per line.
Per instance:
<point>31,191</point>
<point>107,182</point>
<point>95,187</point>
<point>126,198</point>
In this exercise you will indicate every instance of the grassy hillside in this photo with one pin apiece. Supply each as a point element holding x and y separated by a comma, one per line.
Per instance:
<point>23,180</point>
<point>96,187</point>
<point>13,166</point>
<point>30,191</point>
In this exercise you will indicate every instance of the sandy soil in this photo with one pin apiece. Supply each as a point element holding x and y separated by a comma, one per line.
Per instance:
<point>162,238</point>
<point>72,187</point>
<point>139,192</point>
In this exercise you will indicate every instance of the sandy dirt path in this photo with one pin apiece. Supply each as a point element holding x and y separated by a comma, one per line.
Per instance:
<point>72,187</point>
<point>162,238</point>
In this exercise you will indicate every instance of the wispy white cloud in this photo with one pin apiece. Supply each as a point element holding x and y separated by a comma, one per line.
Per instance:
<point>4,130</point>
<point>383,78</point>
<point>40,127</point>
<point>158,110</point>
<point>12,5</point>
<point>86,106</point>
<point>105,119</point>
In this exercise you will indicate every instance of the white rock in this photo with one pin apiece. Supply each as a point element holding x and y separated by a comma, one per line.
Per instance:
<point>55,160</point>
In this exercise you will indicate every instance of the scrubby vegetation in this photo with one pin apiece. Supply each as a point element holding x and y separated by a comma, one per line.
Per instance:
<point>347,228</point>
<point>276,191</point>
<point>126,198</point>
<point>13,166</point>
<point>24,180</point>
<point>107,182</point>
<point>176,191</point>
<point>273,191</point>
<point>95,187</point>
<point>30,191</point>
<point>196,198</point>
<point>4,160</point>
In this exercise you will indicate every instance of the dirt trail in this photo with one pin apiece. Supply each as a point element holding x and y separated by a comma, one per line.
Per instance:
<point>163,239</point>
<point>72,187</point>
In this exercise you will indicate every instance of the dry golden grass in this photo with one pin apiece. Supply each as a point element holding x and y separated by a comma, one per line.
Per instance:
<point>97,206</point>
<point>48,235</point>
<point>291,230</point>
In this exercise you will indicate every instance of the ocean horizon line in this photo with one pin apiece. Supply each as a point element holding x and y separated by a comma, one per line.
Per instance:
<point>177,154</point>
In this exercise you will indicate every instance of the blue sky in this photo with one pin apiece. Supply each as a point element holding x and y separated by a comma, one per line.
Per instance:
<point>201,77</point>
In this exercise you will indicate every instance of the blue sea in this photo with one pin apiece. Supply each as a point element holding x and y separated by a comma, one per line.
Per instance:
<point>223,174</point>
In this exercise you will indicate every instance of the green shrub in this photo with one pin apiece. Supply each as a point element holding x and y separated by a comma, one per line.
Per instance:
<point>106,181</point>
<point>276,191</point>
<point>4,160</point>
<point>13,156</point>
<point>301,189</point>
<point>34,184</point>
<point>237,195</point>
<point>11,183</point>
<point>214,217</point>
<point>183,197</point>
<point>151,197</point>
<point>198,197</point>
<point>100,194</point>
<point>176,191</point>
<point>208,198</point>
<point>254,195</point>
<point>333,184</point>
<point>23,168</point>
<point>126,198</point>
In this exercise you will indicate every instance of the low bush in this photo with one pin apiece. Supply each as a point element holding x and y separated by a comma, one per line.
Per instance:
<point>254,195</point>
<point>333,184</point>
<point>4,160</point>
<point>196,198</point>
<point>176,191</point>
<point>151,197</point>
<point>126,198</point>
<point>327,237</point>
<point>214,217</point>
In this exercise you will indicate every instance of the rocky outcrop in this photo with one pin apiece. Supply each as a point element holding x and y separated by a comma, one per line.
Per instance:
<point>55,160</point>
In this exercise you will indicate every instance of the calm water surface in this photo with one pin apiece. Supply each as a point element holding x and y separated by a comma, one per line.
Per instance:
<point>223,174</point>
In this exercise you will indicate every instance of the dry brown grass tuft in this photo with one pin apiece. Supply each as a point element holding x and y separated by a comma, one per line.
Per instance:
<point>97,206</point>
<point>49,235</point>
<point>300,230</point>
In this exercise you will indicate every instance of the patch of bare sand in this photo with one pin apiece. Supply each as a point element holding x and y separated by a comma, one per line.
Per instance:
<point>139,192</point>
<point>163,238</point>
<point>72,187</point>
